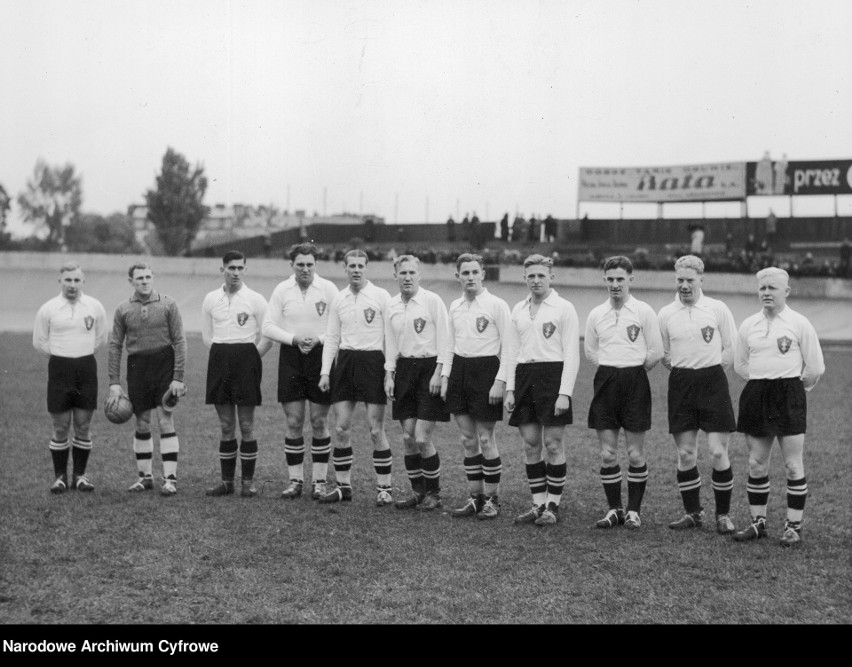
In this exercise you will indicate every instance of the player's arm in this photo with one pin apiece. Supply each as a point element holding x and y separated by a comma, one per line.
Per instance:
<point>262,343</point>
<point>728,333</point>
<point>273,324</point>
<point>741,352</point>
<point>391,354</point>
<point>813,363</point>
<point>664,335</point>
<point>178,339</point>
<point>116,347</point>
<point>331,295</point>
<point>442,335</point>
<point>512,343</point>
<point>571,355</point>
<point>591,343</point>
<point>653,338</point>
<point>503,321</point>
<point>445,356</point>
<point>41,331</point>
<point>330,347</point>
<point>207,322</point>
<point>101,326</point>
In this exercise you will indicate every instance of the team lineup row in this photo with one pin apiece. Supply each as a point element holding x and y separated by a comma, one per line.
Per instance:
<point>473,361</point>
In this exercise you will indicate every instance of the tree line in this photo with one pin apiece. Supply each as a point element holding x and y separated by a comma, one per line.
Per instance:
<point>52,202</point>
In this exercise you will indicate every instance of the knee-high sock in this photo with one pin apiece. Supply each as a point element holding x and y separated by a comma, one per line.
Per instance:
<point>432,473</point>
<point>758,496</point>
<point>637,480</point>
<point>382,464</point>
<point>294,453</point>
<point>414,470</point>
<point>689,482</point>
<point>537,478</point>
<point>81,450</point>
<point>723,485</point>
<point>797,493</point>
<point>320,453</point>
<point>491,471</point>
<point>556,474</point>
<point>611,479</point>
<point>169,448</point>
<point>342,460</point>
<point>248,459</point>
<point>473,472</point>
<point>143,448</point>
<point>59,453</point>
<point>228,459</point>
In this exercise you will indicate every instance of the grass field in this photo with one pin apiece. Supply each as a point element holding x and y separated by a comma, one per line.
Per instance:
<point>113,557</point>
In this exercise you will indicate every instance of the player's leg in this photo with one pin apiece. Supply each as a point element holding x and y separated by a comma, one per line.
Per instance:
<point>227,413</point>
<point>294,447</point>
<point>556,470</point>
<point>342,455</point>
<point>320,447</point>
<point>531,434</point>
<point>60,448</point>
<point>688,480</point>
<point>723,480</point>
<point>143,449</point>
<point>81,448</point>
<point>169,449</point>
<point>637,476</point>
<point>759,454</point>
<point>413,465</point>
<point>611,476</point>
<point>792,447</point>
<point>382,457</point>
<point>431,463</point>
<point>492,469</point>
<point>248,450</point>
<point>472,466</point>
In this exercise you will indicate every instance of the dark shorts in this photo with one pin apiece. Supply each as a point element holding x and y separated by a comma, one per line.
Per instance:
<point>234,373</point>
<point>471,378</point>
<point>699,399</point>
<point>149,375</point>
<point>299,375</point>
<point>359,375</point>
<point>622,400</point>
<point>773,408</point>
<point>536,391</point>
<point>72,383</point>
<point>412,399</point>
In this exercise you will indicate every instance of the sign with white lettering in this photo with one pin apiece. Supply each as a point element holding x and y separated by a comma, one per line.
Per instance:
<point>724,181</point>
<point>813,177</point>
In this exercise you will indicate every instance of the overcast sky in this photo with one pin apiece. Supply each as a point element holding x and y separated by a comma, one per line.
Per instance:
<point>414,109</point>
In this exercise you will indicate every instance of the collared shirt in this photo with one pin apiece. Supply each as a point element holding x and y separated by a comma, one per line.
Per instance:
<point>146,325</point>
<point>232,317</point>
<point>415,329</point>
<point>357,322</point>
<point>623,338</point>
<point>697,336</point>
<point>784,347</point>
<point>552,335</point>
<point>66,329</point>
<point>478,328</point>
<point>292,312</point>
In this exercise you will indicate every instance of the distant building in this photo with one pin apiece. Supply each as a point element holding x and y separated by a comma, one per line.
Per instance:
<point>241,221</point>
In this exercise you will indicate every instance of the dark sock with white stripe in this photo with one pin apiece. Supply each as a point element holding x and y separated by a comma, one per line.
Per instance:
<point>432,473</point>
<point>491,471</point>
<point>382,464</point>
<point>758,496</point>
<point>320,453</point>
<point>473,471</point>
<point>797,493</point>
<point>228,459</point>
<point>248,459</point>
<point>723,485</point>
<point>537,478</point>
<point>555,473</point>
<point>611,480</point>
<point>689,482</point>
<point>143,448</point>
<point>59,452</point>
<point>414,470</point>
<point>342,461</point>
<point>294,454</point>
<point>637,480</point>
<point>80,451</point>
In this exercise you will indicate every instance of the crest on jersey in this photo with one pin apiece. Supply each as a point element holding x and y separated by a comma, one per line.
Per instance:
<point>707,334</point>
<point>784,344</point>
<point>242,318</point>
<point>547,329</point>
<point>419,323</point>
<point>90,321</point>
<point>321,305</point>
<point>633,333</point>
<point>369,314</point>
<point>481,323</point>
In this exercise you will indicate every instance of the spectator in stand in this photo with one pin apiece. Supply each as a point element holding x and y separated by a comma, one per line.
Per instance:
<point>518,228</point>
<point>504,228</point>
<point>534,230</point>
<point>465,228</point>
<point>451,230</point>
<point>550,229</point>
<point>845,253</point>
<point>750,249</point>
<point>475,232</point>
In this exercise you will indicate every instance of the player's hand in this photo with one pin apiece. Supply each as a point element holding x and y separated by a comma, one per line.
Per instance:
<point>304,343</point>
<point>435,384</point>
<point>114,394</point>
<point>495,395</point>
<point>324,383</point>
<point>509,401</point>
<point>177,388</point>
<point>444,382</point>
<point>563,404</point>
<point>389,385</point>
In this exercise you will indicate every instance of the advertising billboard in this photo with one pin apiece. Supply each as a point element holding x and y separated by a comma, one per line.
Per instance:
<point>723,181</point>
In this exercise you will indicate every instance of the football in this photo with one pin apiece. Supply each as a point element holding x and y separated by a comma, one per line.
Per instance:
<point>119,411</point>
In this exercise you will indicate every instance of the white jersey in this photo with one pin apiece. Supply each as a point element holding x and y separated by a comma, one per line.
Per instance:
<point>66,329</point>
<point>552,335</point>
<point>357,322</point>
<point>232,317</point>
<point>784,347</point>
<point>478,328</point>
<point>623,338</point>
<point>417,328</point>
<point>292,312</point>
<point>697,336</point>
